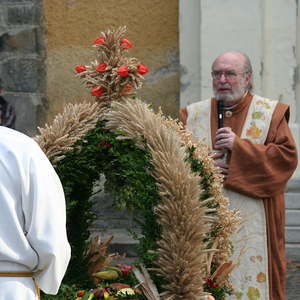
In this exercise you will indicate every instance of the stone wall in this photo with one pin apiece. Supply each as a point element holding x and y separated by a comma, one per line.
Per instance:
<point>292,226</point>
<point>22,55</point>
<point>113,222</point>
<point>73,25</point>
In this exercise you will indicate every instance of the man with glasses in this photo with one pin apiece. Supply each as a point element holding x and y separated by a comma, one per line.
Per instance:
<point>256,153</point>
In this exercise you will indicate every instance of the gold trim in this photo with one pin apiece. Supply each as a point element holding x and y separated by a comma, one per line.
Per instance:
<point>16,274</point>
<point>23,274</point>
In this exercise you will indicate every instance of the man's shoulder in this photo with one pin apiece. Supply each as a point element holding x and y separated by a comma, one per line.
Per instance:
<point>15,141</point>
<point>281,110</point>
<point>259,98</point>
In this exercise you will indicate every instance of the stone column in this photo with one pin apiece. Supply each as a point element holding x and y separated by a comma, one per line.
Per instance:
<point>22,61</point>
<point>279,60</point>
<point>190,51</point>
<point>297,87</point>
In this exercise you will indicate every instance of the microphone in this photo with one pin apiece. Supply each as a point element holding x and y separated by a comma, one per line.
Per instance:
<point>220,110</point>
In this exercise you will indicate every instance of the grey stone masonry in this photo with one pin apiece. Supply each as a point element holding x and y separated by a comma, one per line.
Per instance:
<point>292,222</point>
<point>292,232</point>
<point>113,222</point>
<point>22,56</point>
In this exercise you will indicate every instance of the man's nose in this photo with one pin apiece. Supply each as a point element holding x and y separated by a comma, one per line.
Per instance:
<point>223,78</point>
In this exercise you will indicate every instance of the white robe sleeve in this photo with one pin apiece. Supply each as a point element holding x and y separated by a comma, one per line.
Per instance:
<point>45,220</point>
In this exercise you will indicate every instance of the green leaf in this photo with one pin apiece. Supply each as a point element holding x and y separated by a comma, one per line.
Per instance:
<point>257,115</point>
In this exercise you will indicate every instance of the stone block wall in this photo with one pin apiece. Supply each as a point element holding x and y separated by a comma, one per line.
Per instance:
<point>292,226</point>
<point>113,222</point>
<point>73,25</point>
<point>22,55</point>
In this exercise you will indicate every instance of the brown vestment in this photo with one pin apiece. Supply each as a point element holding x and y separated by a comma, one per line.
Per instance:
<point>262,171</point>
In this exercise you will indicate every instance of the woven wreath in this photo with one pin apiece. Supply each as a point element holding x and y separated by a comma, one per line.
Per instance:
<point>193,244</point>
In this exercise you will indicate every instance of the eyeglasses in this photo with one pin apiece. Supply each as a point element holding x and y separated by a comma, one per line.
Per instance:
<point>230,75</point>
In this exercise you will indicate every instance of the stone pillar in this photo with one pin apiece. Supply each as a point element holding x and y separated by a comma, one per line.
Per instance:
<point>190,51</point>
<point>22,61</point>
<point>296,124</point>
<point>279,61</point>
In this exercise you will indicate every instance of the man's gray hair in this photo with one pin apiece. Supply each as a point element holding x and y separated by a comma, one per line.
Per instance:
<point>248,69</point>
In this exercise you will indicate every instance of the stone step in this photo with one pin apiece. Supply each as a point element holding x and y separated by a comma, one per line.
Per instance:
<point>292,230</point>
<point>292,217</point>
<point>293,251</point>
<point>292,200</point>
<point>292,234</point>
<point>293,281</point>
<point>293,185</point>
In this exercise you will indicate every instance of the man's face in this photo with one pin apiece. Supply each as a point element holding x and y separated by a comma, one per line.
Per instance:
<point>230,81</point>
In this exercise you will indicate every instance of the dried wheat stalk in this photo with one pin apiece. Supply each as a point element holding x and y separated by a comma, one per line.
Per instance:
<point>112,52</point>
<point>145,283</point>
<point>67,128</point>
<point>184,261</point>
<point>183,218</point>
<point>228,220</point>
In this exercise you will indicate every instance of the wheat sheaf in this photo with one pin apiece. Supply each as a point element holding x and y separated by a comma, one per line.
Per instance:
<point>185,255</point>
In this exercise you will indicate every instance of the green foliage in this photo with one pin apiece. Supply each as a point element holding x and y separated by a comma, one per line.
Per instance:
<point>198,168</point>
<point>136,296</point>
<point>127,171</point>
<point>66,292</point>
<point>219,292</point>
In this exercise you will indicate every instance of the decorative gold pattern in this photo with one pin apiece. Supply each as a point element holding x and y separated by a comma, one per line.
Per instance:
<point>258,119</point>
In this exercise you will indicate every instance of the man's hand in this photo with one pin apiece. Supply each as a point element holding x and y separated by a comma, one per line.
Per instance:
<point>224,138</point>
<point>221,164</point>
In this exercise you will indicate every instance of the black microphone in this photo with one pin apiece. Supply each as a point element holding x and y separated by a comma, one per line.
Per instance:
<point>220,109</point>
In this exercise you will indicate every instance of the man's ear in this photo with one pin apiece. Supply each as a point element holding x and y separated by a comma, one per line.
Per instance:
<point>249,77</point>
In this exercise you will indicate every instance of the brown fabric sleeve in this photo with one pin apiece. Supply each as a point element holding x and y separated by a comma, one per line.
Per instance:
<point>262,171</point>
<point>183,115</point>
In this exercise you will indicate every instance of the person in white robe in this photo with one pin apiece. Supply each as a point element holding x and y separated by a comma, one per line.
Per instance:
<point>34,250</point>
